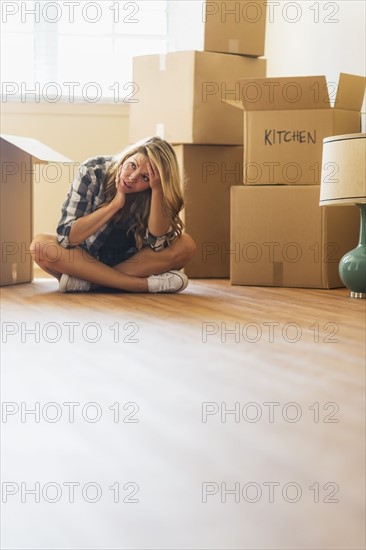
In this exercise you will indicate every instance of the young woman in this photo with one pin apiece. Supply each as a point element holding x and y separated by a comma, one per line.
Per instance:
<point>120,225</point>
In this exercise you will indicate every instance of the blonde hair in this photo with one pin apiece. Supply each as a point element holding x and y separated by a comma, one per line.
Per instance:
<point>163,157</point>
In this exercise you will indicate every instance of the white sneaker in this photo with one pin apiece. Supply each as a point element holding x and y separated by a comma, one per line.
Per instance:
<point>72,284</point>
<point>172,281</point>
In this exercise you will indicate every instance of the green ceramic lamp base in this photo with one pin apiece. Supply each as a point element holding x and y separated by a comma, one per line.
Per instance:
<point>352,267</point>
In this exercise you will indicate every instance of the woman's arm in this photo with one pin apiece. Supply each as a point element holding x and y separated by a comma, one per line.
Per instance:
<point>159,218</point>
<point>86,226</point>
<point>81,218</point>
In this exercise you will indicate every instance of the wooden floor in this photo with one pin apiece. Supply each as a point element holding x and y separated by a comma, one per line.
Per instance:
<point>224,417</point>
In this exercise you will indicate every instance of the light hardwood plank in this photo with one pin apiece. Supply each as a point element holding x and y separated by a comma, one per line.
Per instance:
<point>298,396</point>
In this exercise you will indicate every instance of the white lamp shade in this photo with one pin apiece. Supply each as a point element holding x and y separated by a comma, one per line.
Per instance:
<point>343,170</point>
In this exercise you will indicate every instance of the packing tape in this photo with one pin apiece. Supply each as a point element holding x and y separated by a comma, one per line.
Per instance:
<point>160,130</point>
<point>162,62</point>
<point>233,45</point>
<point>277,273</point>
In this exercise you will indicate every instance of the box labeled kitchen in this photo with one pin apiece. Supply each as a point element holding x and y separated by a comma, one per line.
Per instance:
<point>285,121</point>
<point>181,96</point>
<point>280,236</point>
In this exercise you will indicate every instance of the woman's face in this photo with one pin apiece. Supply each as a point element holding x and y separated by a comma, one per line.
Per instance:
<point>134,175</point>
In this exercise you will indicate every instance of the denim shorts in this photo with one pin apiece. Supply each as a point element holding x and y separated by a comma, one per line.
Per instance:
<point>113,256</point>
<point>118,247</point>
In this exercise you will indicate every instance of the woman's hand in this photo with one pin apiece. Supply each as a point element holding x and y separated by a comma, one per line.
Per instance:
<point>120,197</point>
<point>154,178</point>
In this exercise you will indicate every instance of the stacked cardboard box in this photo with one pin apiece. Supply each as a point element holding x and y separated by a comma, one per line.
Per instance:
<point>280,236</point>
<point>181,97</point>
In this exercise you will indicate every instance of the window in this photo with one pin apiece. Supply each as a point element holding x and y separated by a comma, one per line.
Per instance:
<point>77,50</point>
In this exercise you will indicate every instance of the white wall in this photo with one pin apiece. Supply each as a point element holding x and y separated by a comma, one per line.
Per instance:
<point>324,38</point>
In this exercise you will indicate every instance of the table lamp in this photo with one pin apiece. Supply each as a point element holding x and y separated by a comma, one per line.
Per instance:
<point>343,182</point>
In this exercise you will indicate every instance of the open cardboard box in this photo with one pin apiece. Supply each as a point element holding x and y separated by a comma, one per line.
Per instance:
<point>180,96</point>
<point>280,236</point>
<point>285,121</point>
<point>226,27</point>
<point>18,158</point>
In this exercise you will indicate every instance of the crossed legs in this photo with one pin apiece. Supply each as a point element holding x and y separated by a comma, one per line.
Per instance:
<point>130,275</point>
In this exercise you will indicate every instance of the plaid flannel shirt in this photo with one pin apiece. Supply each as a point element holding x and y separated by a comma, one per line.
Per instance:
<point>84,197</point>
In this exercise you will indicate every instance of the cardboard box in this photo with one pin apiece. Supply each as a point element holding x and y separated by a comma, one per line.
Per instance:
<point>208,173</point>
<point>226,27</point>
<point>280,236</point>
<point>18,157</point>
<point>286,120</point>
<point>180,96</point>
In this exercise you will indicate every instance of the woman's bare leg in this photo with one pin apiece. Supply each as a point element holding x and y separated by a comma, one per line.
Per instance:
<point>56,260</point>
<point>147,262</point>
<point>130,275</point>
